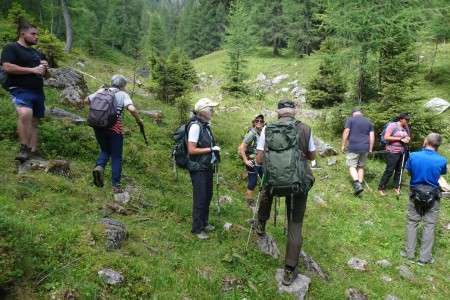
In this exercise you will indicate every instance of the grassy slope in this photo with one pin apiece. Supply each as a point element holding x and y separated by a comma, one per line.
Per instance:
<point>47,218</point>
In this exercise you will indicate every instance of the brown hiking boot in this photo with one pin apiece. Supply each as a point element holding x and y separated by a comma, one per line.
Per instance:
<point>117,189</point>
<point>24,154</point>
<point>98,174</point>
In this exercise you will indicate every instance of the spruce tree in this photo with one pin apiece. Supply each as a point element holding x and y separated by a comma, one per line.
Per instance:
<point>238,44</point>
<point>171,77</point>
<point>267,16</point>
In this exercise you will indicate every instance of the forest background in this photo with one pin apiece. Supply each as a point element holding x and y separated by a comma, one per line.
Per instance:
<point>384,56</point>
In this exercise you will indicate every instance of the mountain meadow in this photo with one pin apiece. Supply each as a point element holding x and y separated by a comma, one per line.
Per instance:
<point>53,237</point>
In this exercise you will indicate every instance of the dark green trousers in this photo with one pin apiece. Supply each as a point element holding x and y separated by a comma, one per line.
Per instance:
<point>296,207</point>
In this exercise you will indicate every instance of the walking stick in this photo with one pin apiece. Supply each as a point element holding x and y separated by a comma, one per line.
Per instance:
<point>141,127</point>
<point>254,211</point>
<point>216,164</point>
<point>401,173</point>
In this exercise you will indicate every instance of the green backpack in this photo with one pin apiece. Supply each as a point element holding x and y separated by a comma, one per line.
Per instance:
<point>250,151</point>
<point>285,170</point>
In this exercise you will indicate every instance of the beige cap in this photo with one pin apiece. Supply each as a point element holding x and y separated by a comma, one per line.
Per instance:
<point>204,102</point>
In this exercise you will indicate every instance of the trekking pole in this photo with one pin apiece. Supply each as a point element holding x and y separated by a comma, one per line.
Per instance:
<point>141,127</point>
<point>401,173</point>
<point>218,199</point>
<point>254,212</point>
<point>275,212</point>
<point>285,216</point>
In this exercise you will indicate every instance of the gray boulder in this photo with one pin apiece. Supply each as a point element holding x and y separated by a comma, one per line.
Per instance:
<point>437,104</point>
<point>55,167</point>
<point>297,289</point>
<point>71,82</point>
<point>267,245</point>
<point>354,294</point>
<point>115,233</point>
<point>323,148</point>
<point>112,277</point>
<point>62,114</point>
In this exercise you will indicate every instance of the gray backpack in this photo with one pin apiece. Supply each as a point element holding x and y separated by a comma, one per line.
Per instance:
<point>103,109</point>
<point>285,168</point>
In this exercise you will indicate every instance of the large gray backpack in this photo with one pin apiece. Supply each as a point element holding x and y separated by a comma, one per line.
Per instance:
<point>285,167</point>
<point>103,109</point>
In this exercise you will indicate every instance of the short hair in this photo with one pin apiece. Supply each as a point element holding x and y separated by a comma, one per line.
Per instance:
<point>434,139</point>
<point>286,112</point>
<point>24,25</point>
<point>118,81</point>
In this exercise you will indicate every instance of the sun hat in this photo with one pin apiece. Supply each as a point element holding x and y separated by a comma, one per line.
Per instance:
<point>204,102</point>
<point>258,116</point>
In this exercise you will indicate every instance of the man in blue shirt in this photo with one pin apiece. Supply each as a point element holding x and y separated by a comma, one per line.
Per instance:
<point>425,168</point>
<point>359,133</point>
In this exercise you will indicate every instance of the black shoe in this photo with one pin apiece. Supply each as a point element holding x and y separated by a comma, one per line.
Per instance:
<point>98,175</point>
<point>316,167</point>
<point>260,227</point>
<point>289,276</point>
<point>358,188</point>
<point>24,154</point>
<point>423,263</point>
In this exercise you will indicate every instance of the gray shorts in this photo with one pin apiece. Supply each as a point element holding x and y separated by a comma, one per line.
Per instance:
<point>356,159</point>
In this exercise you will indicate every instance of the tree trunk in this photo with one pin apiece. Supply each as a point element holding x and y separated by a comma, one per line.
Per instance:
<point>69,36</point>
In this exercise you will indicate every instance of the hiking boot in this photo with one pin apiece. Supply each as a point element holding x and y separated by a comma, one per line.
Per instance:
<point>35,155</point>
<point>397,191</point>
<point>24,154</point>
<point>250,202</point>
<point>202,235</point>
<point>423,263</point>
<point>316,167</point>
<point>382,192</point>
<point>289,276</point>
<point>358,188</point>
<point>403,254</point>
<point>209,228</point>
<point>98,174</point>
<point>117,189</point>
<point>259,227</point>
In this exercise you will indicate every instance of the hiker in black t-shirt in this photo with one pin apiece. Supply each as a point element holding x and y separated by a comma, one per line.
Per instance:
<point>26,68</point>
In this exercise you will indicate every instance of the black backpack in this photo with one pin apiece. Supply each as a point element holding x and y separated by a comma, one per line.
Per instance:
<point>180,154</point>
<point>3,79</point>
<point>103,109</point>
<point>250,151</point>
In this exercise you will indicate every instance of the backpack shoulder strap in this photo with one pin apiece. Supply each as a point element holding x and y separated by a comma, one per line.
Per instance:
<point>303,136</point>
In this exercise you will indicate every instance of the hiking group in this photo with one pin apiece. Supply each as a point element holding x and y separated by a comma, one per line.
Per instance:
<point>276,153</point>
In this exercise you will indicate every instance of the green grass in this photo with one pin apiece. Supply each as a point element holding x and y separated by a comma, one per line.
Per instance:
<point>48,224</point>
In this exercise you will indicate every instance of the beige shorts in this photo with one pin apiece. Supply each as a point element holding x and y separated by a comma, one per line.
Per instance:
<point>356,159</point>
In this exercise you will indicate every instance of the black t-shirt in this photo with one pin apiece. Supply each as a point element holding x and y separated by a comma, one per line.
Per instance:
<point>25,57</point>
